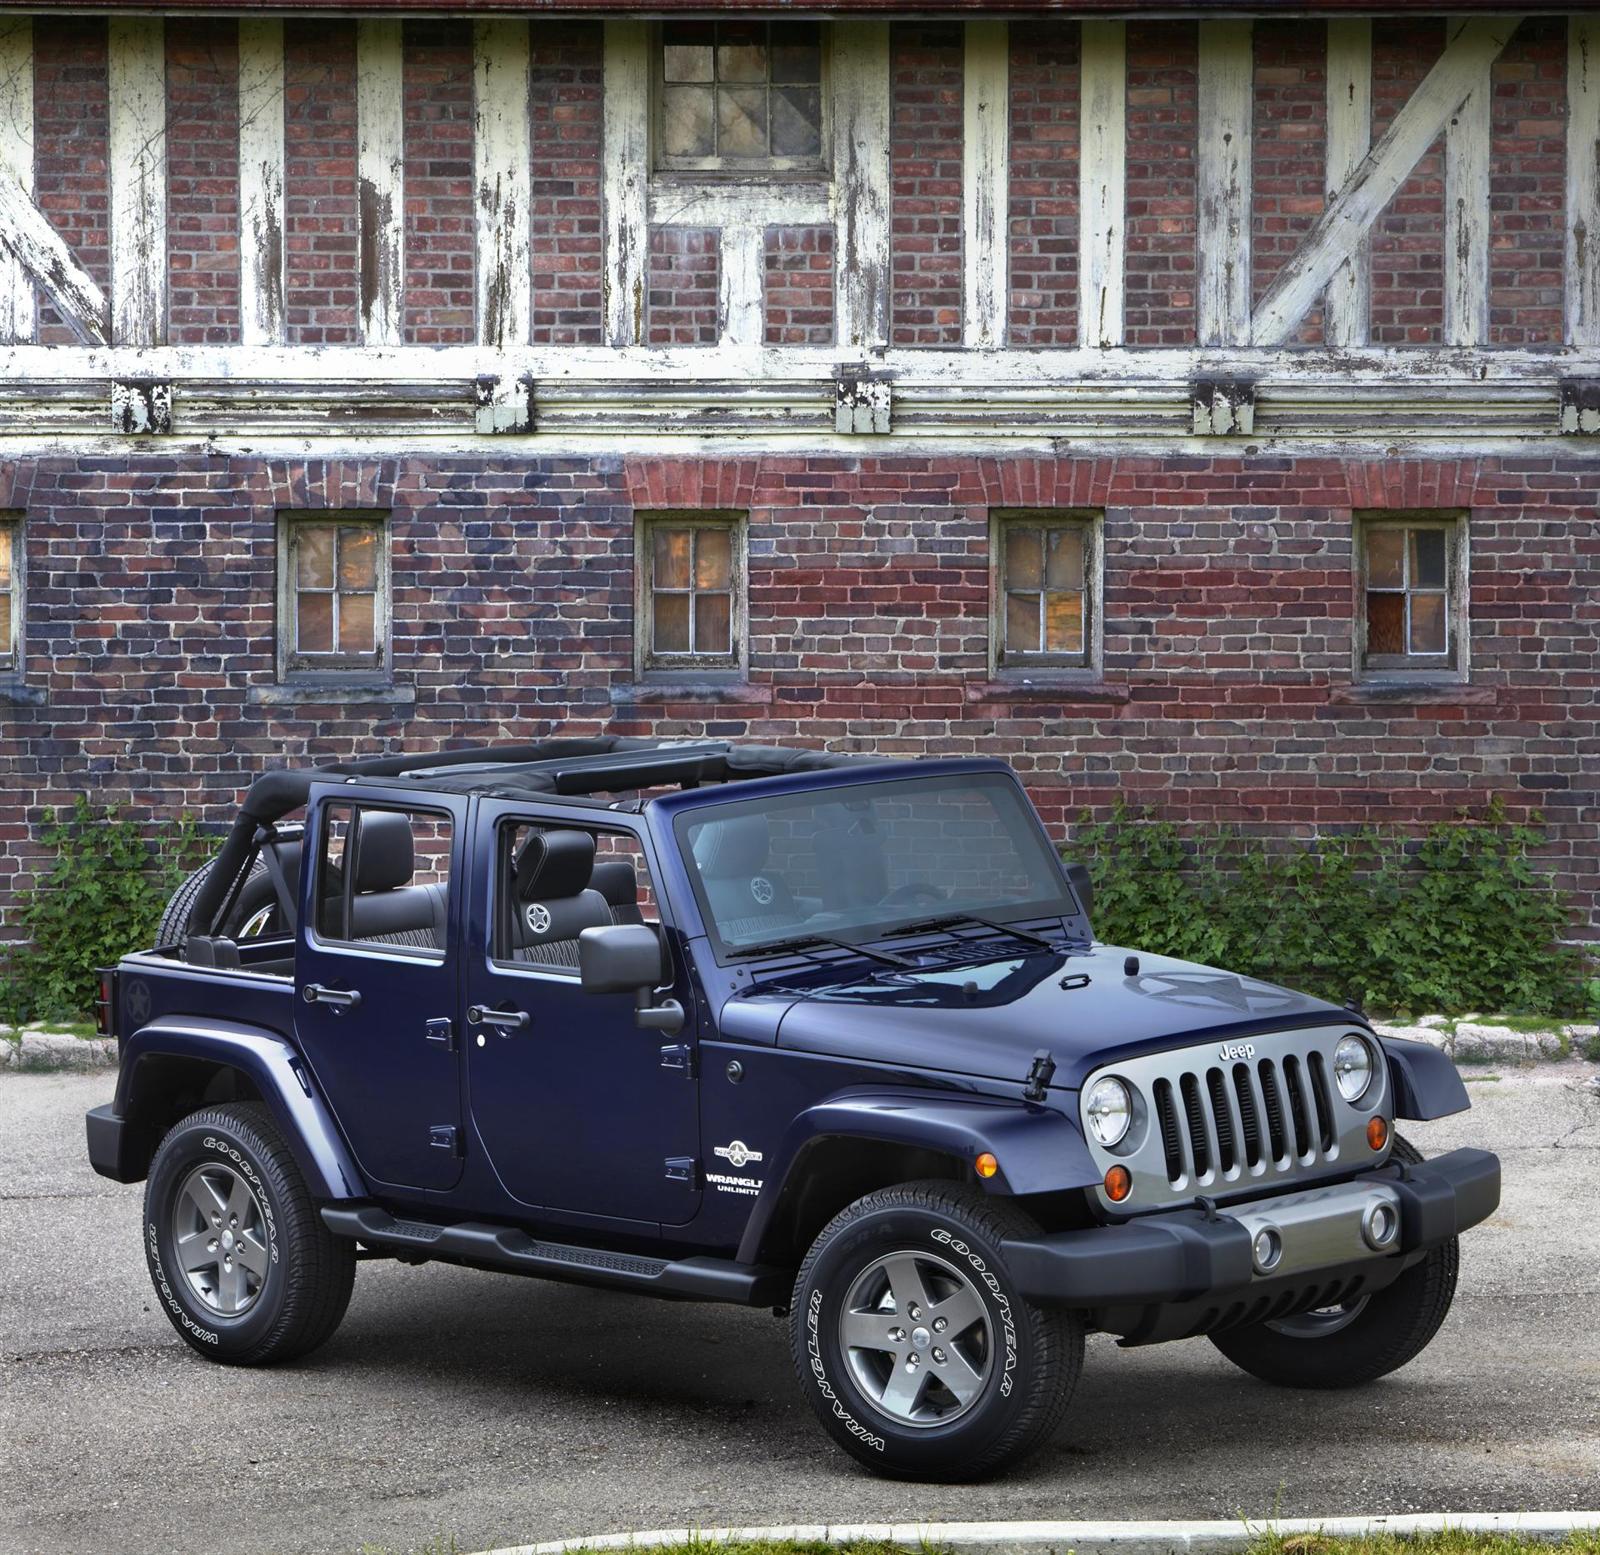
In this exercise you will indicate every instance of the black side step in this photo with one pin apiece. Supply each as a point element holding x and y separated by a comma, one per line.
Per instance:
<point>504,1247</point>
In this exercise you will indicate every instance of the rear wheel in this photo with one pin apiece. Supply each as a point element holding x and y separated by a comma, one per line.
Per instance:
<point>255,913</point>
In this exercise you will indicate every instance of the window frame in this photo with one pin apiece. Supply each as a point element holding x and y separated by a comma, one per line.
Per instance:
<point>12,647</point>
<point>1451,666</point>
<point>296,665</point>
<point>716,168</point>
<point>649,663</point>
<point>1088,665</point>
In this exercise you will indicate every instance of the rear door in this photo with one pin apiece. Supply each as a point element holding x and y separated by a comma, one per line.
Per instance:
<point>578,1108</point>
<point>376,1012</point>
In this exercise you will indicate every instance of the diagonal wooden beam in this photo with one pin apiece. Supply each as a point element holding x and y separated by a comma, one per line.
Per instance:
<point>18,314</point>
<point>27,236</point>
<point>1472,48</point>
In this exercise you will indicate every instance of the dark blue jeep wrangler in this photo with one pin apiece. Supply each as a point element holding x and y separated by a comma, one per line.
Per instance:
<point>814,1032</point>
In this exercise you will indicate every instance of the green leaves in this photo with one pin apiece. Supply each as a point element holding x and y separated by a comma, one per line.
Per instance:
<point>1458,920</point>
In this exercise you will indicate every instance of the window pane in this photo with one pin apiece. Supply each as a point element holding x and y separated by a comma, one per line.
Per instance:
<point>671,559</point>
<point>357,624</point>
<point>1386,622</point>
<point>1064,623</point>
<point>1022,623</point>
<point>1066,559</point>
<point>6,644</point>
<point>672,623</point>
<point>315,629</point>
<point>796,53</point>
<point>713,559</point>
<point>742,121</point>
<point>713,623</point>
<point>358,558</point>
<point>742,53</point>
<point>5,557</point>
<point>314,555</point>
<point>1428,624</point>
<point>686,121</point>
<point>1024,562</point>
<point>1386,549</point>
<point>686,51</point>
<point>1427,558</point>
<point>796,121</point>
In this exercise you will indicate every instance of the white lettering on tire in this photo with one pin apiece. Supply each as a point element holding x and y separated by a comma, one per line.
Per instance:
<point>1008,1325</point>
<point>169,1297</point>
<point>824,1387</point>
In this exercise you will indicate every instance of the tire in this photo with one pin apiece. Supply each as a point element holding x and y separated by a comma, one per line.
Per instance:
<point>1355,1345</point>
<point>256,911</point>
<point>290,1293</point>
<point>1017,1364</point>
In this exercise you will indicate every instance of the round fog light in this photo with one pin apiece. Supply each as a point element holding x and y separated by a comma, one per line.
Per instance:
<point>1380,1225</point>
<point>1266,1250</point>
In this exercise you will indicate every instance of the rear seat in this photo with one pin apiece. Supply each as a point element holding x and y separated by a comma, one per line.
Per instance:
<point>387,909</point>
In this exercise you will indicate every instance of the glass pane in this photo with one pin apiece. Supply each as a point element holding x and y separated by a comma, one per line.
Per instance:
<point>314,555</point>
<point>796,53</point>
<point>672,623</point>
<point>686,121</point>
<point>1022,623</point>
<point>356,623</point>
<point>1428,624</point>
<point>671,559</point>
<point>1386,623</point>
<point>796,121</point>
<point>713,623</point>
<point>1386,549</point>
<point>358,558</point>
<point>1066,559</point>
<point>5,629</point>
<point>1427,558</point>
<point>1024,563</point>
<point>686,51</point>
<point>742,121</point>
<point>5,557</point>
<point>1063,623</point>
<point>742,52</point>
<point>314,634</point>
<point>713,559</point>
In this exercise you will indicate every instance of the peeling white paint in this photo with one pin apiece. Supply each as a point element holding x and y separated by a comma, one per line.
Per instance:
<point>1466,218</point>
<point>1583,181</point>
<point>1102,179</point>
<point>503,179</point>
<point>137,157</point>
<point>1347,306</point>
<point>18,309</point>
<point>985,184</point>
<point>741,286</point>
<point>1222,174</point>
<point>860,84</point>
<point>380,180</point>
<point>262,250</point>
<point>626,179</point>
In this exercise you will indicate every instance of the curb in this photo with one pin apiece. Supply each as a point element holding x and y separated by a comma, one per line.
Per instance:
<point>1484,1041</point>
<point>1132,1538</point>
<point>49,1052</point>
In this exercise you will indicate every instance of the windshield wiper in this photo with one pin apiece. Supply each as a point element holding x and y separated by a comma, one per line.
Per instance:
<point>773,947</point>
<point>958,919</point>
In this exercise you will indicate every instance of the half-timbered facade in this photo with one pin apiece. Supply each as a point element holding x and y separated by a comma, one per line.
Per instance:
<point>1201,410</point>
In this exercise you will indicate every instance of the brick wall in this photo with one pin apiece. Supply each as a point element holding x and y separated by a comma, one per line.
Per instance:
<point>1227,692</point>
<point>1044,184</point>
<point>681,286</point>
<point>441,300</point>
<point>799,286</point>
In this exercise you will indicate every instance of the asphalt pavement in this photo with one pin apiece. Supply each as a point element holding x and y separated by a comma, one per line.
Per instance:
<point>499,1410</point>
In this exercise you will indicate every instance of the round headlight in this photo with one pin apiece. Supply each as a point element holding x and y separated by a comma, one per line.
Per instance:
<point>1109,1110</point>
<point>1352,1068</point>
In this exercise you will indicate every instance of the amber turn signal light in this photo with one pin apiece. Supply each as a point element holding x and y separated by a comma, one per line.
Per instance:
<point>987,1165</point>
<point>1377,1133</point>
<point>1119,1183</point>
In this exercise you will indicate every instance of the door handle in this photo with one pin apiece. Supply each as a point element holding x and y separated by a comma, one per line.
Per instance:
<point>343,998</point>
<point>501,1020</point>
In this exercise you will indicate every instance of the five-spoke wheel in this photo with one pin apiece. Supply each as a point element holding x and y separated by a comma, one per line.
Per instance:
<point>221,1238</point>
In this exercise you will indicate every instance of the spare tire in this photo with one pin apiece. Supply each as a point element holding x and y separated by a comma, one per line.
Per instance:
<point>255,913</point>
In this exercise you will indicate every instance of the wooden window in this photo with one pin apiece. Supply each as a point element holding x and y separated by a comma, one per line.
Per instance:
<point>691,593</point>
<point>10,595</point>
<point>740,97</point>
<point>1046,589</point>
<point>1412,583</point>
<point>333,593</point>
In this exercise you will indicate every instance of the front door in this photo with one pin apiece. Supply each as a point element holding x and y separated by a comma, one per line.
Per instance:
<point>377,983</point>
<point>578,1108</point>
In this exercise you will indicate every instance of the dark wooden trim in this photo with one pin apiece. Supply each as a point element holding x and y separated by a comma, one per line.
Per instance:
<point>1066,9</point>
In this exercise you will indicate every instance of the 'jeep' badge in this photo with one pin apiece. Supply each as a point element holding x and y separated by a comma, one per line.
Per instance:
<point>538,917</point>
<point>1230,1052</point>
<point>738,1155</point>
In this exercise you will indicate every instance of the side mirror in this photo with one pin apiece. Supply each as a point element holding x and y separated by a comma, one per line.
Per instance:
<point>1082,888</point>
<point>630,958</point>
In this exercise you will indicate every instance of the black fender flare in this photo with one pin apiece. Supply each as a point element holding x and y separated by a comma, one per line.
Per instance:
<point>1425,1081</point>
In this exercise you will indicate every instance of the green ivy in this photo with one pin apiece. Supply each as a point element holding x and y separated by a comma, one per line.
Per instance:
<point>102,898</point>
<point>1461,920</point>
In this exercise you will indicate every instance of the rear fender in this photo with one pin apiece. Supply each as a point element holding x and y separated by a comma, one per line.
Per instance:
<point>275,1070</point>
<point>1426,1084</point>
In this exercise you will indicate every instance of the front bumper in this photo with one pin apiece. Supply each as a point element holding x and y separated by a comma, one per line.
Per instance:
<point>1190,1271</point>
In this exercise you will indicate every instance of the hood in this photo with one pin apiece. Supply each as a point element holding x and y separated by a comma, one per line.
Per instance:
<point>988,1019</point>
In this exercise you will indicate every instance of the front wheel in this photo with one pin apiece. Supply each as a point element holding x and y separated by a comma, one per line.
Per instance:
<point>913,1345</point>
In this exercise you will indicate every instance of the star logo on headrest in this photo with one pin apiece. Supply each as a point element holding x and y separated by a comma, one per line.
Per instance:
<point>761,889</point>
<point>538,916</point>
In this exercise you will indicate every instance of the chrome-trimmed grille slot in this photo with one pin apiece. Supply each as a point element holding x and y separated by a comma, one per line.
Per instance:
<point>1249,1117</point>
<point>1167,1117</point>
<point>1272,1104</point>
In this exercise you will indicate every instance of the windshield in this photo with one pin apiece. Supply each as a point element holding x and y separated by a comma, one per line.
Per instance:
<point>869,857</point>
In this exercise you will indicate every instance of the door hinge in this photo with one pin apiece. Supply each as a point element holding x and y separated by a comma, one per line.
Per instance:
<point>679,1056</point>
<point>684,1169</point>
<point>445,1136</point>
<point>442,1031</point>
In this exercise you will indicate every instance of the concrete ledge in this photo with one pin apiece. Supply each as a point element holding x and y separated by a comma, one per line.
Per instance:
<point>1037,1538</point>
<point>43,1052</point>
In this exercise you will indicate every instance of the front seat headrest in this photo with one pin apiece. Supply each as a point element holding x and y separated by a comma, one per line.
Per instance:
<point>386,856</point>
<point>615,880</point>
<point>554,864</point>
<point>734,847</point>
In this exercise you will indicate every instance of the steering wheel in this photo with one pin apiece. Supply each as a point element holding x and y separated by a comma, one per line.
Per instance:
<point>914,893</point>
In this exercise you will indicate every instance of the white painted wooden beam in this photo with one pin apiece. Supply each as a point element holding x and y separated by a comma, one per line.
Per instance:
<point>986,184</point>
<point>861,188</point>
<point>1347,306</point>
<point>137,153</point>
<point>380,180</point>
<point>18,310</point>
<point>626,184</point>
<point>262,251</point>
<point>1472,47</point>
<point>1102,183</point>
<point>33,243</point>
<point>1222,233</point>
<point>503,163</point>
<point>1582,280</point>
<point>1466,225</point>
<point>741,287</point>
